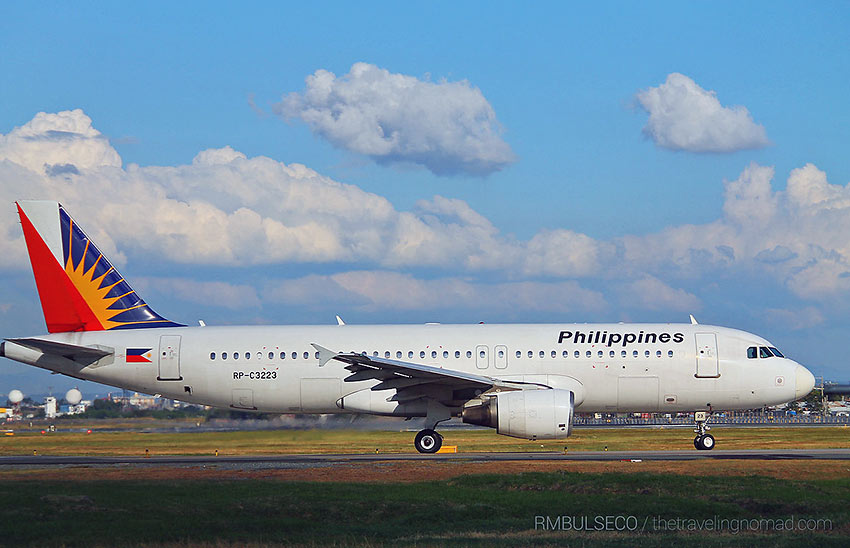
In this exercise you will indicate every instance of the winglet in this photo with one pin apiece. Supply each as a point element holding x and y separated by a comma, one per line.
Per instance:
<point>325,355</point>
<point>339,320</point>
<point>693,320</point>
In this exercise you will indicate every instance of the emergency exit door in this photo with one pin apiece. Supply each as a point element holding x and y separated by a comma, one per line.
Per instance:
<point>169,358</point>
<point>707,363</point>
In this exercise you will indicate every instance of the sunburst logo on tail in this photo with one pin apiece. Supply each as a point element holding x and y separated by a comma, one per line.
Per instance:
<point>111,299</point>
<point>79,288</point>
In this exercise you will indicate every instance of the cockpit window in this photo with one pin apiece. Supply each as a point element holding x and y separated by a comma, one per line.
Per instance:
<point>764,352</point>
<point>776,352</point>
<point>752,352</point>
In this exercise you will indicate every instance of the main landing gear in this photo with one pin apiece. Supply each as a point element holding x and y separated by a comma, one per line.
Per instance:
<point>428,441</point>
<point>703,441</point>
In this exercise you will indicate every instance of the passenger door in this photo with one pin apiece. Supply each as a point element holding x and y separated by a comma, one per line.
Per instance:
<point>707,362</point>
<point>169,358</point>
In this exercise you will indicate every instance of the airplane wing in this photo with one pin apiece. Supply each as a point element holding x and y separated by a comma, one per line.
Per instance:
<point>81,354</point>
<point>409,379</point>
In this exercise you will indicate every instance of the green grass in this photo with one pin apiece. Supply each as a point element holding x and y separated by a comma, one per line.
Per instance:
<point>478,510</point>
<point>131,442</point>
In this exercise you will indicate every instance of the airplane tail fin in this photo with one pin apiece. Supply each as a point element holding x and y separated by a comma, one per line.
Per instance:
<point>79,288</point>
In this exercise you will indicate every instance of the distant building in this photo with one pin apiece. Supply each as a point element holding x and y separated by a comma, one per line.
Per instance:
<point>50,407</point>
<point>77,409</point>
<point>138,401</point>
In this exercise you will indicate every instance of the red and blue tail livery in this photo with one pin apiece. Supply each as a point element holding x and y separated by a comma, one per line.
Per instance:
<point>139,355</point>
<point>79,288</point>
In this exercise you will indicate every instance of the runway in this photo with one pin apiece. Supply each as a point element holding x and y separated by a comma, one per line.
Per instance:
<point>283,460</point>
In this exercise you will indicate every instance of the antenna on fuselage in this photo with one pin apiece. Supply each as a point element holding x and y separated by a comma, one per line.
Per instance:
<point>693,320</point>
<point>339,321</point>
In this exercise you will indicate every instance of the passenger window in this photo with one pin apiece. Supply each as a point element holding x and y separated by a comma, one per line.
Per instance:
<point>236,355</point>
<point>588,354</point>
<point>622,353</point>
<point>566,354</point>
<point>646,354</point>
<point>752,352</point>
<point>657,353</point>
<point>212,355</point>
<point>764,352</point>
<point>224,355</point>
<point>599,354</point>
<point>669,353</point>
<point>410,354</point>
<point>306,355</point>
<point>457,353</point>
<point>530,353</point>
<point>421,353</point>
<point>316,355</point>
<point>445,353</point>
<point>554,354</point>
<point>482,354</point>
<point>295,355</point>
<point>386,353</point>
<point>776,352</point>
<point>271,355</point>
<point>634,353</point>
<point>283,355</point>
<point>433,353</point>
<point>518,353</point>
<point>541,353</point>
<point>469,353</point>
<point>611,354</point>
<point>398,354</point>
<point>259,355</point>
<point>375,353</point>
<point>577,354</point>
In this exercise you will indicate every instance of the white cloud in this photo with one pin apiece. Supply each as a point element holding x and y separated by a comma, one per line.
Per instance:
<point>650,293</point>
<point>684,116</point>
<point>796,236</point>
<point>383,290</point>
<point>221,294</point>
<point>803,318</point>
<point>228,209</point>
<point>58,143</point>
<point>448,127</point>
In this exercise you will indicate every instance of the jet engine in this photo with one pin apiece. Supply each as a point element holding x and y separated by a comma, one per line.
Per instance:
<point>528,414</point>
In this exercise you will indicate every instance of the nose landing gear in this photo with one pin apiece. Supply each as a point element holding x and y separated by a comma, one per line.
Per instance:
<point>703,441</point>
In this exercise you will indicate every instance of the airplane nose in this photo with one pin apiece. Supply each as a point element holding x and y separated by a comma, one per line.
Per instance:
<point>805,382</point>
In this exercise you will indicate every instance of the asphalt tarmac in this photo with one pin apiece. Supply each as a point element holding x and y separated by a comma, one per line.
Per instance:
<point>718,454</point>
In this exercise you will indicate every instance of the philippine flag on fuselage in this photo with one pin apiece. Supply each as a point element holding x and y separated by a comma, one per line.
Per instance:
<point>139,355</point>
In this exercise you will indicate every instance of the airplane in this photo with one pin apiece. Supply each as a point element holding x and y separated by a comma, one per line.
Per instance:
<point>526,381</point>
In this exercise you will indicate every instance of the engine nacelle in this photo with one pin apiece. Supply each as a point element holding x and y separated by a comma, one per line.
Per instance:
<point>528,414</point>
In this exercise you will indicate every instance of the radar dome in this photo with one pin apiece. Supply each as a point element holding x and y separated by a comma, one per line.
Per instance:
<point>73,396</point>
<point>16,396</point>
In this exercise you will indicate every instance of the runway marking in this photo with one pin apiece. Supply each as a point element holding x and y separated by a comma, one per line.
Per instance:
<point>749,454</point>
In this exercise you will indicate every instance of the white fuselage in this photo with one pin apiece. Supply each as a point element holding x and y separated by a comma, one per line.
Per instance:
<point>610,367</point>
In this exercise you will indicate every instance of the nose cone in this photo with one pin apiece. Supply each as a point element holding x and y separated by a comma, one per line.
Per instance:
<point>805,382</point>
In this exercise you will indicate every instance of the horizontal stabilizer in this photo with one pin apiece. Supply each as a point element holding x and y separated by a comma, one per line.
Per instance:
<point>70,351</point>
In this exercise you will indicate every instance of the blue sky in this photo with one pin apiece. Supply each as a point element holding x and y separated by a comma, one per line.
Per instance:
<point>583,192</point>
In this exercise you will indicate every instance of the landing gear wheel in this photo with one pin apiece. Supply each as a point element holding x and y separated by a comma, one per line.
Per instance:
<point>704,442</point>
<point>428,441</point>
